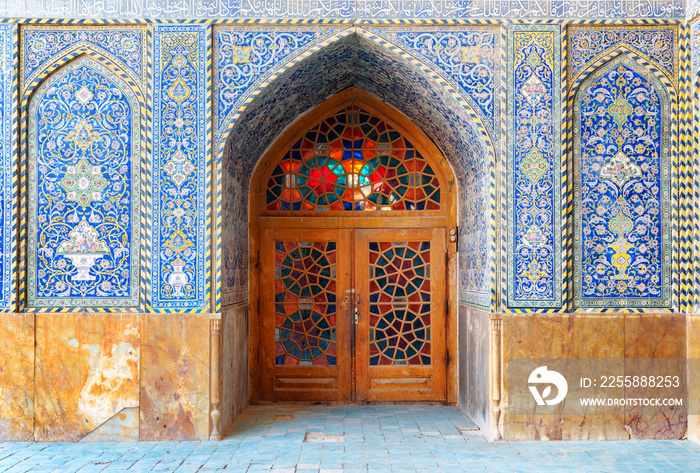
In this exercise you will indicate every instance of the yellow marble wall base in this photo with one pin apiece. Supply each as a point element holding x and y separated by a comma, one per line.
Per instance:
<point>146,376</point>
<point>573,336</point>
<point>174,377</point>
<point>16,377</point>
<point>87,371</point>
<point>104,377</point>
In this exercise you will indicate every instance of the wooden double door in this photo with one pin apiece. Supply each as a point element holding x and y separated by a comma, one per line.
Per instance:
<point>352,314</point>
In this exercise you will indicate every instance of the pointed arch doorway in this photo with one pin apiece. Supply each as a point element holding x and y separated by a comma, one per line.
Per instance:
<point>351,211</point>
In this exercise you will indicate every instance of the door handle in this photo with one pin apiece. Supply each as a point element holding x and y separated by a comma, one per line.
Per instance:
<point>357,308</point>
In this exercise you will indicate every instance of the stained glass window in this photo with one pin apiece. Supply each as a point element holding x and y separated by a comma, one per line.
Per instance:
<point>399,303</point>
<point>353,161</point>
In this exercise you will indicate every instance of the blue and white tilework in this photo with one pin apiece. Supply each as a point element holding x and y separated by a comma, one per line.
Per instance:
<point>84,144</point>
<point>42,45</point>
<point>534,162</point>
<point>695,41</point>
<point>351,9</point>
<point>692,8</point>
<point>6,158</point>
<point>468,57</point>
<point>475,256</point>
<point>244,57</point>
<point>622,176</point>
<point>180,156</point>
<point>656,43</point>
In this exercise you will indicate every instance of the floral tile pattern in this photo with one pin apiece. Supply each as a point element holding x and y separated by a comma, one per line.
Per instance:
<point>179,167</point>
<point>656,43</point>
<point>244,57</point>
<point>41,45</point>
<point>86,201</point>
<point>379,70</point>
<point>6,132</point>
<point>84,198</point>
<point>622,188</point>
<point>467,56</point>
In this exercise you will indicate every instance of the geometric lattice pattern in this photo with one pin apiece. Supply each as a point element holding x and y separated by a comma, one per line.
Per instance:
<point>305,303</point>
<point>622,188</point>
<point>399,302</point>
<point>353,161</point>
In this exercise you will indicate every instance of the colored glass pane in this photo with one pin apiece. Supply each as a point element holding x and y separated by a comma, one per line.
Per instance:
<point>399,303</point>
<point>305,303</point>
<point>353,161</point>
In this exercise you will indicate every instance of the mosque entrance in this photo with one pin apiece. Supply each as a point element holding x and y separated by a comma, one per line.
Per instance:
<point>354,216</point>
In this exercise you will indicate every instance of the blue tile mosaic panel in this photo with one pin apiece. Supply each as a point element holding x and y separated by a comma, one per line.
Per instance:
<point>534,162</point>
<point>466,56</point>
<point>656,43</point>
<point>8,188</point>
<point>622,171</point>
<point>475,255</point>
<point>41,45</point>
<point>84,146</point>
<point>244,57</point>
<point>179,167</point>
<point>350,9</point>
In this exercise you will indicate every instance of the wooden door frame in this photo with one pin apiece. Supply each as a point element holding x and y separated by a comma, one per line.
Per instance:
<point>446,217</point>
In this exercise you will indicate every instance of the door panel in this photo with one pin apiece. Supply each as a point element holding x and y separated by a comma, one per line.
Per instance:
<point>400,328</point>
<point>305,307</point>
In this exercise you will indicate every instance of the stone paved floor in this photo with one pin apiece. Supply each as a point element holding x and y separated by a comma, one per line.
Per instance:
<point>351,439</point>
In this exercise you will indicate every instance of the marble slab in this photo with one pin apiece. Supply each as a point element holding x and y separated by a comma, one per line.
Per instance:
<point>123,427</point>
<point>474,365</point>
<point>174,377</point>
<point>234,364</point>
<point>632,339</point>
<point>693,337</point>
<point>592,336</point>
<point>16,377</point>
<point>87,371</point>
<point>654,336</point>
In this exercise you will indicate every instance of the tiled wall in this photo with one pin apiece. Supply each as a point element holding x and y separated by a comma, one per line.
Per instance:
<point>160,205</point>
<point>352,9</point>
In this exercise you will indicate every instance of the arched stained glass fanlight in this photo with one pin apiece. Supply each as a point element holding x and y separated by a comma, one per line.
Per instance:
<point>353,161</point>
